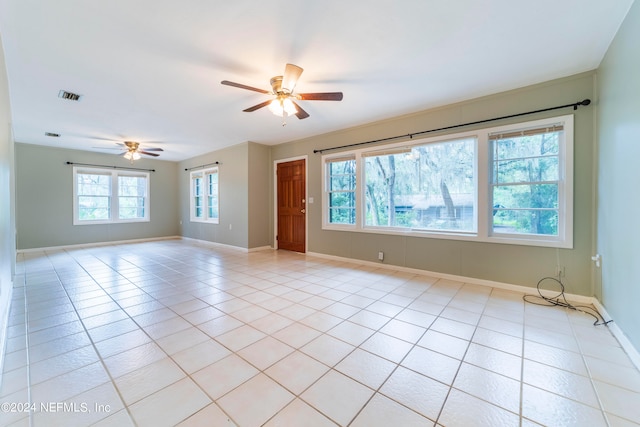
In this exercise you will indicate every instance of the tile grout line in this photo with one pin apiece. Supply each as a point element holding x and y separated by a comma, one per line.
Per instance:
<point>187,375</point>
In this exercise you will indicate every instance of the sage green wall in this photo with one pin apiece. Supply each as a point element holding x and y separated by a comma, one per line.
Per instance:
<point>619,175</point>
<point>259,195</point>
<point>44,199</point>
<point>233,181</point>
<point>521,265</point>
<point>7,200</point>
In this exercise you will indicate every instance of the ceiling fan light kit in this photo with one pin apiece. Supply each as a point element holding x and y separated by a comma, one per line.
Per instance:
<point>282,87</point>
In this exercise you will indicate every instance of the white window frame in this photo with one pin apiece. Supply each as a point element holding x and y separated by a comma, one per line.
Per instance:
<point>327,192</point>
<point>114,207</point>
<point>202,174</point>
<point>483,176</point>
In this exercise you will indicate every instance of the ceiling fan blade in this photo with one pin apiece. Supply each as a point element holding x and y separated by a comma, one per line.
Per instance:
<point>320,96</point>
<point>109,148</point>
<point>258,106</point>
<point>241,86</point>
<point>301,114</point>
<point>153,149</point>
<point>290,78</point>
<point>148,154</point>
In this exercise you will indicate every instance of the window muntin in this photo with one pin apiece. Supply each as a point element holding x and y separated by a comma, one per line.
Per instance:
<point>525,184</point>
<point>341,191</point>
<point>424,187</point>
<point>109,196</point>
<point>204,196</point>
<point>502,173</point>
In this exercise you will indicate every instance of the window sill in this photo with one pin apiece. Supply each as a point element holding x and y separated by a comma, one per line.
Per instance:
<point>521,240</point>
<point>110,222</point>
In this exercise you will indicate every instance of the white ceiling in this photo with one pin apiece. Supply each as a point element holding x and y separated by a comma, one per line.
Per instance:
<point>150,70</point>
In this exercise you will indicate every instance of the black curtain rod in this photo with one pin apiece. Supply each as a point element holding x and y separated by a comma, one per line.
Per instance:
<point>111,167</point>
<point>411,135</point>
<point>202,166</point>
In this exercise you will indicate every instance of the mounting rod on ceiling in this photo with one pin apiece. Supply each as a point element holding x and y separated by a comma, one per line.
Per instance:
<point>111,167</point>
<point>202,166</point>
<point>575,106</point>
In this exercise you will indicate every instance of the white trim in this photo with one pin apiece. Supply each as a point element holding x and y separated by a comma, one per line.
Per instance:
<point>260,249</point>
<point>306,195</point>
<point>94,244</point>
<point>5,306</point>
<point>470,280</point>
<point>220,245</point>
<point>624,341</point>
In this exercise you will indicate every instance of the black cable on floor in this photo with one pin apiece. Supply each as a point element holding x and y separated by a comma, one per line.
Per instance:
<point>561,301</point>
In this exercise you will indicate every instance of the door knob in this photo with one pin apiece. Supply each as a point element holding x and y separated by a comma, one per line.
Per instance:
<point>303,211</point>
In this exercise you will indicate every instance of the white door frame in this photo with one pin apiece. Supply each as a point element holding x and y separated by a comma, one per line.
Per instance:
<point>275,198</point>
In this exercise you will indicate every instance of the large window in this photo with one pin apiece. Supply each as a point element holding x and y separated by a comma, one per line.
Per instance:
<point>109,196</point>
<point>428,187</point>
<point>204,196</point>
<point>509,184</point>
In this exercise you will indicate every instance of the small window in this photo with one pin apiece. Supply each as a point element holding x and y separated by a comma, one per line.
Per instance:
<point>341,191</point>
<point>109,196</point>
<point>204,196</point>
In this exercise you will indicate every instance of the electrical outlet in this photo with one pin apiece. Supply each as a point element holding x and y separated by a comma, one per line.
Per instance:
<point>380,256</point>
<point>561,272</point>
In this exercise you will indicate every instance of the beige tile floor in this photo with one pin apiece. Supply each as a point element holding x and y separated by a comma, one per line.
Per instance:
<point>172,333</point>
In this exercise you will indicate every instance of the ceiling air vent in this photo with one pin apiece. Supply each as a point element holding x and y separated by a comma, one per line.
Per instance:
<point>68,95</point>
<point>53,135</point>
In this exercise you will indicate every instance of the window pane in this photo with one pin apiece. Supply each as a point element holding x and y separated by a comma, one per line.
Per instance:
<point>342,216</point>
<point>93,192</point>
<point>537,169</point>
<point>520,204</point>
<point>526,221</point>
<point>94,185</point>
<point>342,199</point>
<point>341,187</point>
<point>430,187</point>
<point>197,192</point>
<point>527,146</point>
<point>526,196</point>
<point>92,208</point>
<point>212,195</point>
<point>131,201</point>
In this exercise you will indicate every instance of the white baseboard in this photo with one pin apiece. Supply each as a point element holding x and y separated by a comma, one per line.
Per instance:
<point>261,248</point>
<point>224,245</point>
<point>628,347</point>
<point>471,280</point>
<point>95,244</point>
<point>5,307</point>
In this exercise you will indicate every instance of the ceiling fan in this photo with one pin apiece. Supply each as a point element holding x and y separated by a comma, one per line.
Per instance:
<point>132,150</point>
<point>282,87</point>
